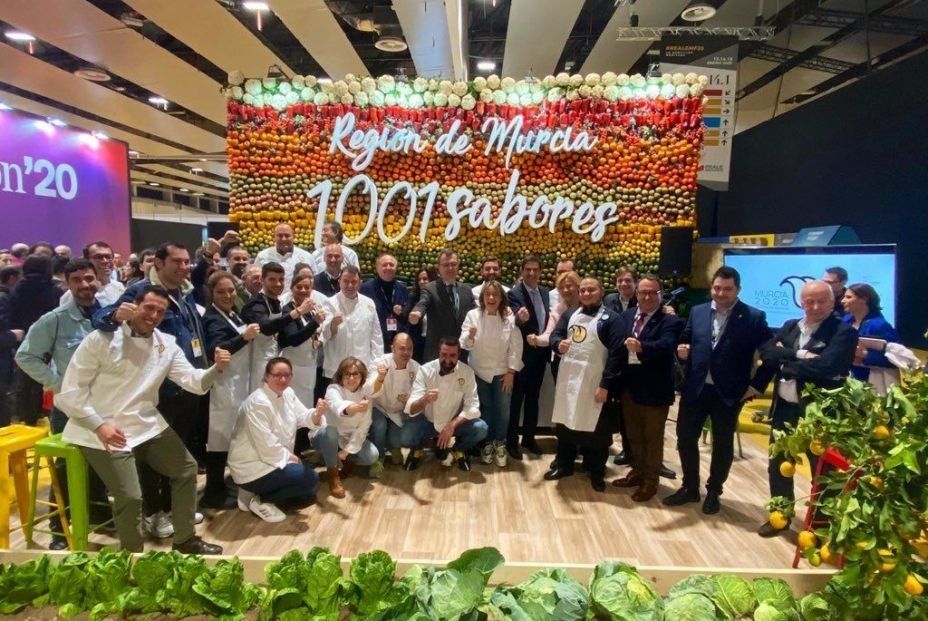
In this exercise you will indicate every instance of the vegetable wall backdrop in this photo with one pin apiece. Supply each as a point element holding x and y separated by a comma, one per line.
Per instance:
<point>589,167</point>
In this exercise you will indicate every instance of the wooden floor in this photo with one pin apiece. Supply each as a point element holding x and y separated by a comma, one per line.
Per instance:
<point>434,513</point>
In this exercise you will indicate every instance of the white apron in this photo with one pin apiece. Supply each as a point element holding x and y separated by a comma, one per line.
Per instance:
<point>305,362</point>
<point>229,391</point>
<point>579,375</point>
<point>263,349</point>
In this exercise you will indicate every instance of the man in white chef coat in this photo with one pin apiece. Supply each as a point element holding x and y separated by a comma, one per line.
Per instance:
<point>351,326</point>
<point>389,404</point>
<point>110,396</point>
<point>283,252</point>
<point>444,402</point>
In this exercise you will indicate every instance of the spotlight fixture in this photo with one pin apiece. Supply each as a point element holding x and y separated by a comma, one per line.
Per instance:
<point>4,106</point>
<point>184,190</point>
<point>258,8</point>
<point>155,100</point>
<point>19,36</point>
<point>154,185</point>
<point>390,43</point>
<point>486,65</point>
<point>196,170</point>
<point>99,135</point>
<point>698,11</point>
<point>57,122</point>
<point>94,74</point>
<point>133,153</point>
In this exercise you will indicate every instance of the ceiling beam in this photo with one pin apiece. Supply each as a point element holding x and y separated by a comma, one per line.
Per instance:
<point>318,30</point>
<point>425,28</point>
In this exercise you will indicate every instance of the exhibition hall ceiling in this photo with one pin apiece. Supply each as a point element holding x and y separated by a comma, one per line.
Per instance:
<point>164,62</point>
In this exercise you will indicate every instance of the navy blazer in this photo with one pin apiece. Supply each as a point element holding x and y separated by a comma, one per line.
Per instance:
<point>652,381</point>
<point>732,360</point>
<point>834,343</point>
<point>519,297</point>
<point>613,303</point>
<point>325,284</point>
<point>372,289</point>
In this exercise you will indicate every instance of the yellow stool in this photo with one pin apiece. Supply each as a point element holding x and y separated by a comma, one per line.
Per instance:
<point>15,440</point>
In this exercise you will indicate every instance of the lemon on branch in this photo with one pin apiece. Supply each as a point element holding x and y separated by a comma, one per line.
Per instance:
<point>788,469</point>
<point>778,520</point>
<point>913,586</point>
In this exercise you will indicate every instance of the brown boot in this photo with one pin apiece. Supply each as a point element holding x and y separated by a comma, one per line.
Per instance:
<point>335,483</point>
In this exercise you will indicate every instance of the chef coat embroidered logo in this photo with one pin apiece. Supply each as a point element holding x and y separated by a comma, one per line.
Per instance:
<point>412,375</point>
<point>577,334</point>
<point>461,382</point>
<point>160,349</point>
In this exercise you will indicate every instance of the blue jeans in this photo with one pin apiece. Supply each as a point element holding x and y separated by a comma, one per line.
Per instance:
<point>292,483</point>
<point>366,455</point>
<point>418,430</point>
<point>325,441</point>
<point>385,434</point>
<point>494,408</point>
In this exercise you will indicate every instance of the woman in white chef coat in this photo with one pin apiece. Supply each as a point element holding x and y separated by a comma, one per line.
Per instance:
<point>299,340</point>
<point>223,328</point>
<point>495,343</point>
<point>350,397</point>
<point>271,478</point>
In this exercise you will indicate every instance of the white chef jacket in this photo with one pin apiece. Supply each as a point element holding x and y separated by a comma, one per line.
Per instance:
<point>397,385</point>
<point>457,393</point>
<point>114,378</point>
<point>265,433</point>
<point>496,348</point>
<point>288,261</point>
<point>317,259</point>
<point>358,335</point>
<point>352,428</point>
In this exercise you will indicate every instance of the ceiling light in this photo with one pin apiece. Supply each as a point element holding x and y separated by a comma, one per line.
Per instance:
<point>133,153</point>
<point>93,74</point>
<point>157,185</point>
<point>255,6</point>
<point>698,11</point>
<point>132,20</point>
<point>486,65</point>
<point>4,106</point>
<point>155,100</point>
<point>57,122</point>
<point>45,126</point>
<point>18,35</point>
<point>184,190</point>
<point>196,170</point>
<point>100,136</point>
<point>390,43</point>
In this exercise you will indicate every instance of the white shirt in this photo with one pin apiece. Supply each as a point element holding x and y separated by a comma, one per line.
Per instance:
<point>114,378</point>
<point>352,428</point>
<point>457,393</point>
<point>476,289</point>
<point>554,298</point>
<point>496,348</point>
<point>106,293</point>
<point>358,335</point>
<point>397,386</point>
<point>265,432</point>
<point>719,319</point>
<point>317,258</point>
<point>288,261</point>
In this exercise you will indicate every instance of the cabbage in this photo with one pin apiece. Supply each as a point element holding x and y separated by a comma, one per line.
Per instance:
<point>690,607</point>
<point>733,595</point>
<point>768,612</point>
<point>617,592</point>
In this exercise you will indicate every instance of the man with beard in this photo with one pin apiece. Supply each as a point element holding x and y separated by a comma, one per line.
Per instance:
<point>101,257</point>
<point>284,253</point>
<point>237,260</point>
<point>490,270</point>
<point>590,341</point>
<point>332,233</point>
<point>389,296</point>
<point>326,281</point>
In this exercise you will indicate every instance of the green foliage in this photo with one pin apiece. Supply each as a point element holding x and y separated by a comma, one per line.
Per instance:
<point>619,593</point>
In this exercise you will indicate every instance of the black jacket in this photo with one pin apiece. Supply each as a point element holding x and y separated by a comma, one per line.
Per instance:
<point>374,289</point>
<point>435,304</point>
<point>295,333</point>
<point>612,302</point>
<point>652,381</point>
<point>218,332</point>
<point>325,284</point>
<point>612,333</point>
<point>258,310</point>
<point>30,298</point>
<point>519,297</point>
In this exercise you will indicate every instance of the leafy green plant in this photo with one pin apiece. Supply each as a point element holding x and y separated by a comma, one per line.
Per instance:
<point>24,585</point>
<point>619,593</point>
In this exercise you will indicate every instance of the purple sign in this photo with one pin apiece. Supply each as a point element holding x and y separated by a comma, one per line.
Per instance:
<point>61,185</point>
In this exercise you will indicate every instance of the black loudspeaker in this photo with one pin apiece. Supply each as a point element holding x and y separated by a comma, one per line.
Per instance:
<point>676,251</point>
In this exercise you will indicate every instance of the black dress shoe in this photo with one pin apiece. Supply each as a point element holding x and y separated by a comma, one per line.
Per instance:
<point>532,447</point>
<point>621,459</point>
<point>514,452</point>
<point>667,473</point>
<point>598,485</point>
<point>553,464</point>
<point>195,545</point>
<point>58,543</point>
<point>217,501</point>
<point>474,451</point>
<point>440,454</point>
<point>557,473</point>
<point>464,463</point>
<point>681,497</point>
<point>711,505</point>
<point>413,460</point>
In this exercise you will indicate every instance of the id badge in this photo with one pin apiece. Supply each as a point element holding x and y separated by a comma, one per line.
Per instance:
<point>391,324</point>
<point>197,347</point>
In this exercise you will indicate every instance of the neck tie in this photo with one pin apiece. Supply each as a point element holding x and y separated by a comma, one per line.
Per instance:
<point>539,309</point>
<point>454,297</point>
<point>639,324</point>
<point>235,318</point>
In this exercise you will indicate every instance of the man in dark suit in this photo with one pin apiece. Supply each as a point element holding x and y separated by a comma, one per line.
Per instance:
<point>626,280</point>
<point>648,385</point>
<point>816,350</point>
<point>718,345</point>
<point>444,303</point>
<point>326,282</point>
<point>529,302</point>
<point>389,296</point>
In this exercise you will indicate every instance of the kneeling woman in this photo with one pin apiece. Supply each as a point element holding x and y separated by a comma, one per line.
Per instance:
<point>261,457</point>
<point>350,396</point>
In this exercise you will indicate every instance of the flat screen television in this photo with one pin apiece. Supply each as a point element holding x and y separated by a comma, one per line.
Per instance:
<point>772,277</point>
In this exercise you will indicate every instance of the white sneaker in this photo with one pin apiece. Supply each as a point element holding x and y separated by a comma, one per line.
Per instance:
<point>266,511</point>
<point>244,498</point>
<point>159,525</point>
<point>502,455</point>
<point>486,455</point>
<point>197,517</point>
<point>448,461</point>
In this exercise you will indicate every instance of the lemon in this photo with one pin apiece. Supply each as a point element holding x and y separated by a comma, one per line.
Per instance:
<point>825,553</point>
<point>881,432</point>
<point>778,520</point>
<point>912,586</point>
<point>889,563</point>
<point>807,540</point>
<point>815,560</point>
<point>787,469</point>
<point>816,447</point>
<point>876,482</point>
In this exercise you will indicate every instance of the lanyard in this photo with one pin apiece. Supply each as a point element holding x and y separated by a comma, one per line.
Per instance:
<point>718,329</point>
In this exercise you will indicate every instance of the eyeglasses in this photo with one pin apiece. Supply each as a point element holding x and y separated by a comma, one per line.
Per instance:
<point>281,375</point>
<point>352,374</point>
<point>648,294</point>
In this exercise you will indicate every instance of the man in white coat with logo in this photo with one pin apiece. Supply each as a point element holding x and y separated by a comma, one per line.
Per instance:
<point>351,326</point>
<point>389,417</point>
<point>590,341</point>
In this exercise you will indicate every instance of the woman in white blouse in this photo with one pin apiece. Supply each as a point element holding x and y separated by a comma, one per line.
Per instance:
<point>350,397</point>
<point>261,459</point>
<point>495,343</point>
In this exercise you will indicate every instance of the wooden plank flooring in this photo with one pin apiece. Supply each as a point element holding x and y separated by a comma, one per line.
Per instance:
<point>435,513</point>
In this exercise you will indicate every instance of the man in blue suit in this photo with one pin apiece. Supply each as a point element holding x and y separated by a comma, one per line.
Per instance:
<point>717,345</point>
<point>389,296</point>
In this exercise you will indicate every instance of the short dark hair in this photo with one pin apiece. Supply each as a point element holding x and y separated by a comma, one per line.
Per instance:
<point>336,228</point>
<point>37,264</point>
<point>350,269</point>
<point>58,263</point>
<point>343,367</point>
<point>8,273</point>
<point>272,266</point>
<point>868,293</point>
<point>530,258</point>
<point>76,265</point>
<point>229,247</point>
<point>653,278</point>
<point>728,273</point>
<point>838,271</point>
<point>491,260</point>
<point>297,279</point>
<point>274,361</point>
<point>627,269</point>
<point>86,250</point>
<point>299,267</point>
<point>41,244</point>
<point>158,290</point>
<point>146,252</point>
<point>162,252</point>
<point>450,341</point>
<point>446,252</point>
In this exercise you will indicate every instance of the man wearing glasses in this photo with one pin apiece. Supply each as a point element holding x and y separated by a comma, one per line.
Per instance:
<point>444,303</point>
<point>109,290</point>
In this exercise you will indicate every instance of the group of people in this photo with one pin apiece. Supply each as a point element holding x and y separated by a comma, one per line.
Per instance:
<point>295,352</point>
